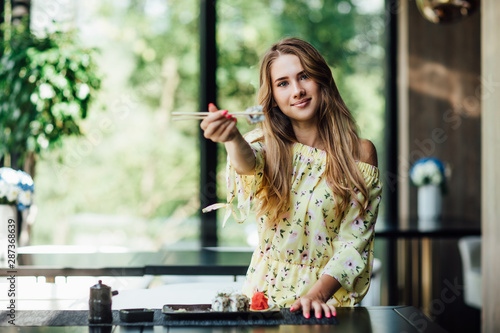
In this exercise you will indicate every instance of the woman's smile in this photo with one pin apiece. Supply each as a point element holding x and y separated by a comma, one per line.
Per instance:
<point>302,103</point>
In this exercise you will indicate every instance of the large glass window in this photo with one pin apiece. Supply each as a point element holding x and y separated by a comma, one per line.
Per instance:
<point>133,179</point>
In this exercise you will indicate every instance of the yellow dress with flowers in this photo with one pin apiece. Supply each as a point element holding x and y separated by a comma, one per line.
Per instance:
<point>308,240</point>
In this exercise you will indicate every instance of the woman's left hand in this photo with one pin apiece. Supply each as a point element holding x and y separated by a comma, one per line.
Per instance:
<point>308,304</point>
<point>315,299</point>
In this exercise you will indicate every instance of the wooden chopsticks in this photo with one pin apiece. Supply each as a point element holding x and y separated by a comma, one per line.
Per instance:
<point>249,112</point>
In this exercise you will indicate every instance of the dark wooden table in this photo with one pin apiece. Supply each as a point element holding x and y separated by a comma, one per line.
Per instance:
<point>358,319</point>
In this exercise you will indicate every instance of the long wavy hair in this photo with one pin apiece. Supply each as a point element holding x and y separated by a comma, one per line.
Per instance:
<point>336,127</point>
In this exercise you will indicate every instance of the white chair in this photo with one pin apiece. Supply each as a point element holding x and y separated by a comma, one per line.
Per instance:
<point>470,251</point>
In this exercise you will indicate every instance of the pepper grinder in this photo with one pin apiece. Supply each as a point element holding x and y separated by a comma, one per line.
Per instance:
<point>100,304</point>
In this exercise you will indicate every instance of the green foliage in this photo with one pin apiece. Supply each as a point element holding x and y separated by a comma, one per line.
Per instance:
<point>133,162</point>
<point>166,46</point>
<point>46,85</point>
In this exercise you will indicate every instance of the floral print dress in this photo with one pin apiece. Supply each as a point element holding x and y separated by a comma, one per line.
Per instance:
<point>308,240</point>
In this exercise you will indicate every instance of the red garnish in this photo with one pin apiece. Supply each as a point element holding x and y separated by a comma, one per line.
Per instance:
<point>259,301</point>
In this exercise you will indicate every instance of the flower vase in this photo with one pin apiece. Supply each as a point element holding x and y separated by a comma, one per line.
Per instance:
<point>429,203</point>
<point>7,212</point>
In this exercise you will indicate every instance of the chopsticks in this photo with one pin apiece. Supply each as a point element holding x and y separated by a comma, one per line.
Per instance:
<point>249,112</point>
<point>201,115</point>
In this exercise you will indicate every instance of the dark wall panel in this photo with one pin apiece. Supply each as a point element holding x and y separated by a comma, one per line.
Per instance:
<point>444,104</point>
<point>444,121</point>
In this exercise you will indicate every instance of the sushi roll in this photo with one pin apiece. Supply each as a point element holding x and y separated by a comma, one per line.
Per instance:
<point>221,303</point>
<point>239,302</point>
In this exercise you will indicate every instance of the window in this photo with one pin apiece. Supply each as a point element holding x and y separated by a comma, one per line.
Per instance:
<point>133,179</point>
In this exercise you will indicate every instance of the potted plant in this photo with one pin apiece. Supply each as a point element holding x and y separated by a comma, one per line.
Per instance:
<point>16,196</point>
<point>46,86</point>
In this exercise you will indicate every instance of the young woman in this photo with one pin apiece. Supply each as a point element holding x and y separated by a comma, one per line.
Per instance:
<point>313,182</point>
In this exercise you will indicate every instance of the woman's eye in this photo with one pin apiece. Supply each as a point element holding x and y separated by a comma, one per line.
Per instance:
<point>304,77</point>
<point>282,84</point>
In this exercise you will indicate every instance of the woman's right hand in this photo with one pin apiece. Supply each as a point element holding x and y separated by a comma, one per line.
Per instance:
<point>218,126</point>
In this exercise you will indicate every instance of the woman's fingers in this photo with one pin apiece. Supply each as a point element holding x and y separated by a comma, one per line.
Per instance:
<point>304,304</point>
<point>317,307</point>
<point>213,116</point>
<point>205,122</point>
<point>333,311</point>
<point>320,308</point>
<point>218,126</point>
<point>326,310</point>
<point>212,107</point>
<point>214,119</point>
<point>229,132</point>
<point>306,309</point>
<point>296,306</point>
<point>212,128</point>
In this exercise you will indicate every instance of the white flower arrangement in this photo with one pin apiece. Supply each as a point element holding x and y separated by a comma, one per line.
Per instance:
<point>427,171</point>
<point>16,188</point>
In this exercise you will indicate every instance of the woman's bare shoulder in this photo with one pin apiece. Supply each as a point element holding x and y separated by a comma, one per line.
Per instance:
<point>368,152</point>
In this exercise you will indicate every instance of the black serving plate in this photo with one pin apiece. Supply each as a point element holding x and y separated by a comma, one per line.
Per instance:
<point>204,312</point>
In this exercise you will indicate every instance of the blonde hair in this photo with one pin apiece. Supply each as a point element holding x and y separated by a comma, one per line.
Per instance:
<point>336,127</point>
